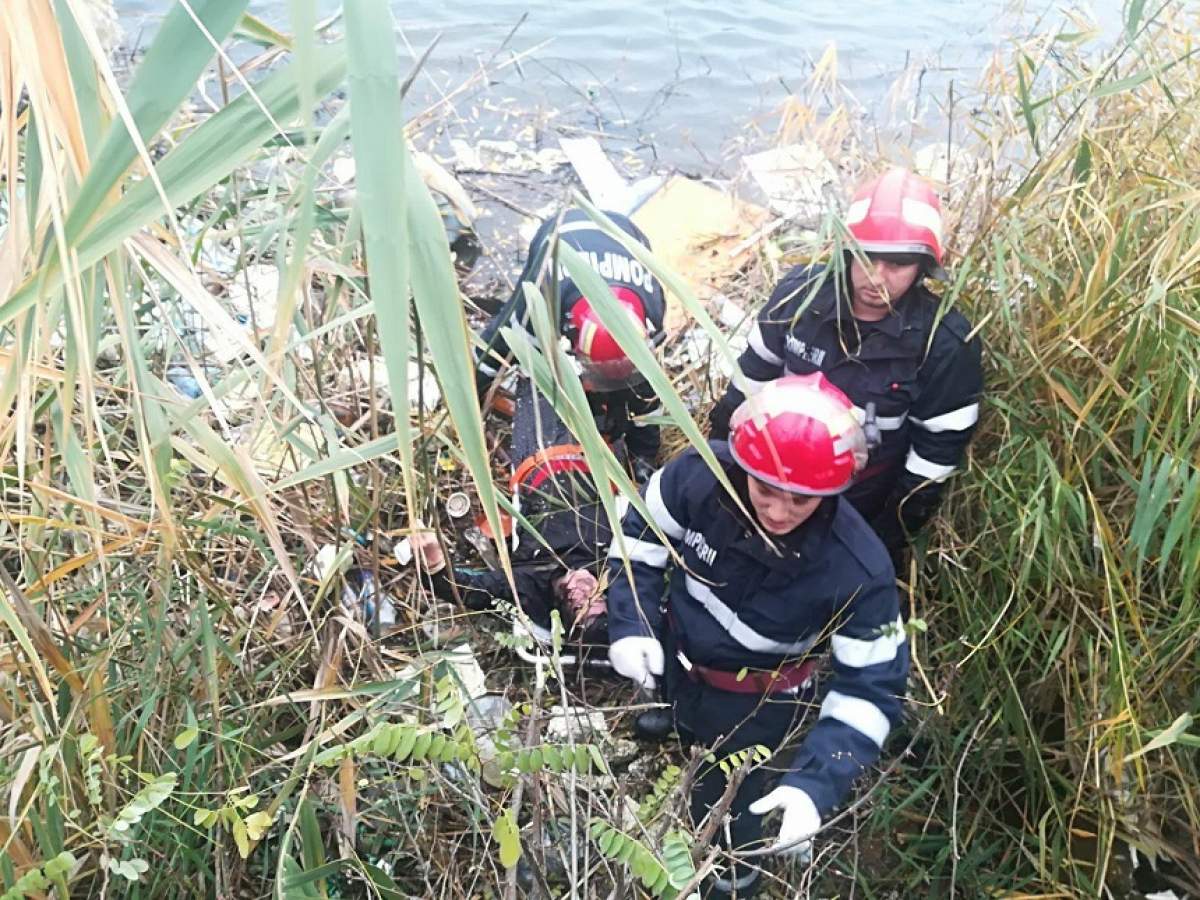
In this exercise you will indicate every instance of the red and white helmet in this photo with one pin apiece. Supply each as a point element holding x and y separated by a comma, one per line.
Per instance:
<point>605,365</point>
<point>799,434</point>
<point>898,212</point>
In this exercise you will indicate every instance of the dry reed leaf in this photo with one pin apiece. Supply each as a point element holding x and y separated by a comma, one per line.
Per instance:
<point>75,563</point>
<point>99,710</point>
<point>42,640</point>
<point>25,769</point>
<point>17,852</point>
<point>39,49</point>
<point>347,803</point>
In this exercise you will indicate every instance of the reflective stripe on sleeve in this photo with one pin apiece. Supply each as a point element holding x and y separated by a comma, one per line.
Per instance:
<point>737,629</point>
<point>658,509</point>
<point>919,465</point>
<point>857,653</point>
<point>956,420</point>
<point>755,340</point>
<point>861,715</point>
<point>636,550</point>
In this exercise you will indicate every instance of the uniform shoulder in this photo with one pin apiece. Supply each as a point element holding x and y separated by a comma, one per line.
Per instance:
<point>689,475</point>
<point>690,467</point>
<point>954,326</point>
<point>797,287</point>
<point>950,325</point>
<point>803,275</point>
<point>581,222</point>
<point>860,541</point>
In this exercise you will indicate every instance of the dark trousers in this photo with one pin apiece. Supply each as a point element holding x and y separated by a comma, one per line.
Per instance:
<point>726,723</point>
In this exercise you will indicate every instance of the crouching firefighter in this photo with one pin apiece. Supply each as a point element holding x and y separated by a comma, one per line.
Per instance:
<point>558,567</point>
<point>616,389</point>
<point>911,367</point>
<point>759,587</point>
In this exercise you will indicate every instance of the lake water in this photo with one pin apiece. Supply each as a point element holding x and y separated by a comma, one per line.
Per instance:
<point>680,78</point>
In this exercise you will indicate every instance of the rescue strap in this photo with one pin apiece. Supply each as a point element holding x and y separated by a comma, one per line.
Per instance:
<point>546,462</point>
<point>790,678</point>
<point>534,470</point>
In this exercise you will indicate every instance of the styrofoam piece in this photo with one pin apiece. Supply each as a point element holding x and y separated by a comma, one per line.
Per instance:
<point>322,564</point>
<point>403,552</point>
<point>575,722</point>
<point>604,185</point>
<point>731,315</point>
<point>430,392</point>
<point>344,169</point>
<point>255,286</point>
<point>468,671</point>
<point>943,163</point>
<point>793,177</point>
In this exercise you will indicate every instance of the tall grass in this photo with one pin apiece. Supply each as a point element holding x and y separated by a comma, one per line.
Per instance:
<point>187,708</point>
<point>1061,588</point>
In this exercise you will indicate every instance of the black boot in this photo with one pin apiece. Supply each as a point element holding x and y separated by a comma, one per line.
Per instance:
<point>654,724</point>
<point>728,887</point>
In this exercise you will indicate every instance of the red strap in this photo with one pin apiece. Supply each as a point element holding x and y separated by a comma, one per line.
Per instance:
<point>544,463</point>
<point>553,467</point>
<point>790,677</point>
<point>561,455</point>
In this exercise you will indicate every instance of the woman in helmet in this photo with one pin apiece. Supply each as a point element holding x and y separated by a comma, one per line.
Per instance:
<point>760,584</point>
<point>615,388</point>
<point>910,367</point>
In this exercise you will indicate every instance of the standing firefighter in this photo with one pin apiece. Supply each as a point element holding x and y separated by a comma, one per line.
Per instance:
<point>758,588</point>
<point>616,390</point>
<point>911,369</point>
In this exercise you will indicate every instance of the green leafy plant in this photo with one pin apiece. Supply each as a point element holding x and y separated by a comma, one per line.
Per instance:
<point>38,880</point>
<point>663,878</point>
<point>156,791</point>
<point>230,816</point>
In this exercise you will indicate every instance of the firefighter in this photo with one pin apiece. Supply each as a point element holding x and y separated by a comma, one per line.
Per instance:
<point>616,390</point>
<point>759,584</point>
<point>911,367</point>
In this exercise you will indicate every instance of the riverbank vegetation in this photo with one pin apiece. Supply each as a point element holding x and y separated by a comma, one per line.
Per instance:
<point>189,707</point>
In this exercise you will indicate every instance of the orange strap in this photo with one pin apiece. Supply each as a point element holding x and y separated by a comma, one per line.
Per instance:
<point>564,457</point>
<point>546,457</point>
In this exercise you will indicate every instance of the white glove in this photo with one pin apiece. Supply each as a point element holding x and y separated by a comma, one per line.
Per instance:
<point>638,659</point>
<point>800,819</point>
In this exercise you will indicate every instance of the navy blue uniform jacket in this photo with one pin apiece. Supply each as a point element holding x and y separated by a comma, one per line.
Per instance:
<point>736,602</point>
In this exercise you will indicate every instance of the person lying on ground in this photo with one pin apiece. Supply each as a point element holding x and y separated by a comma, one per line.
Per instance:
<point>543,585</point>
<point>730,601</point>
<point>557,565</point>
<point>911,368</point>
<point>616,390</point>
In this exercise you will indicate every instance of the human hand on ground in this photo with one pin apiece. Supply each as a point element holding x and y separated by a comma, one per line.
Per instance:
<point>425,545</point>
<point>578,589</point>
<point>800,819</point>
<point>637,658</point>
